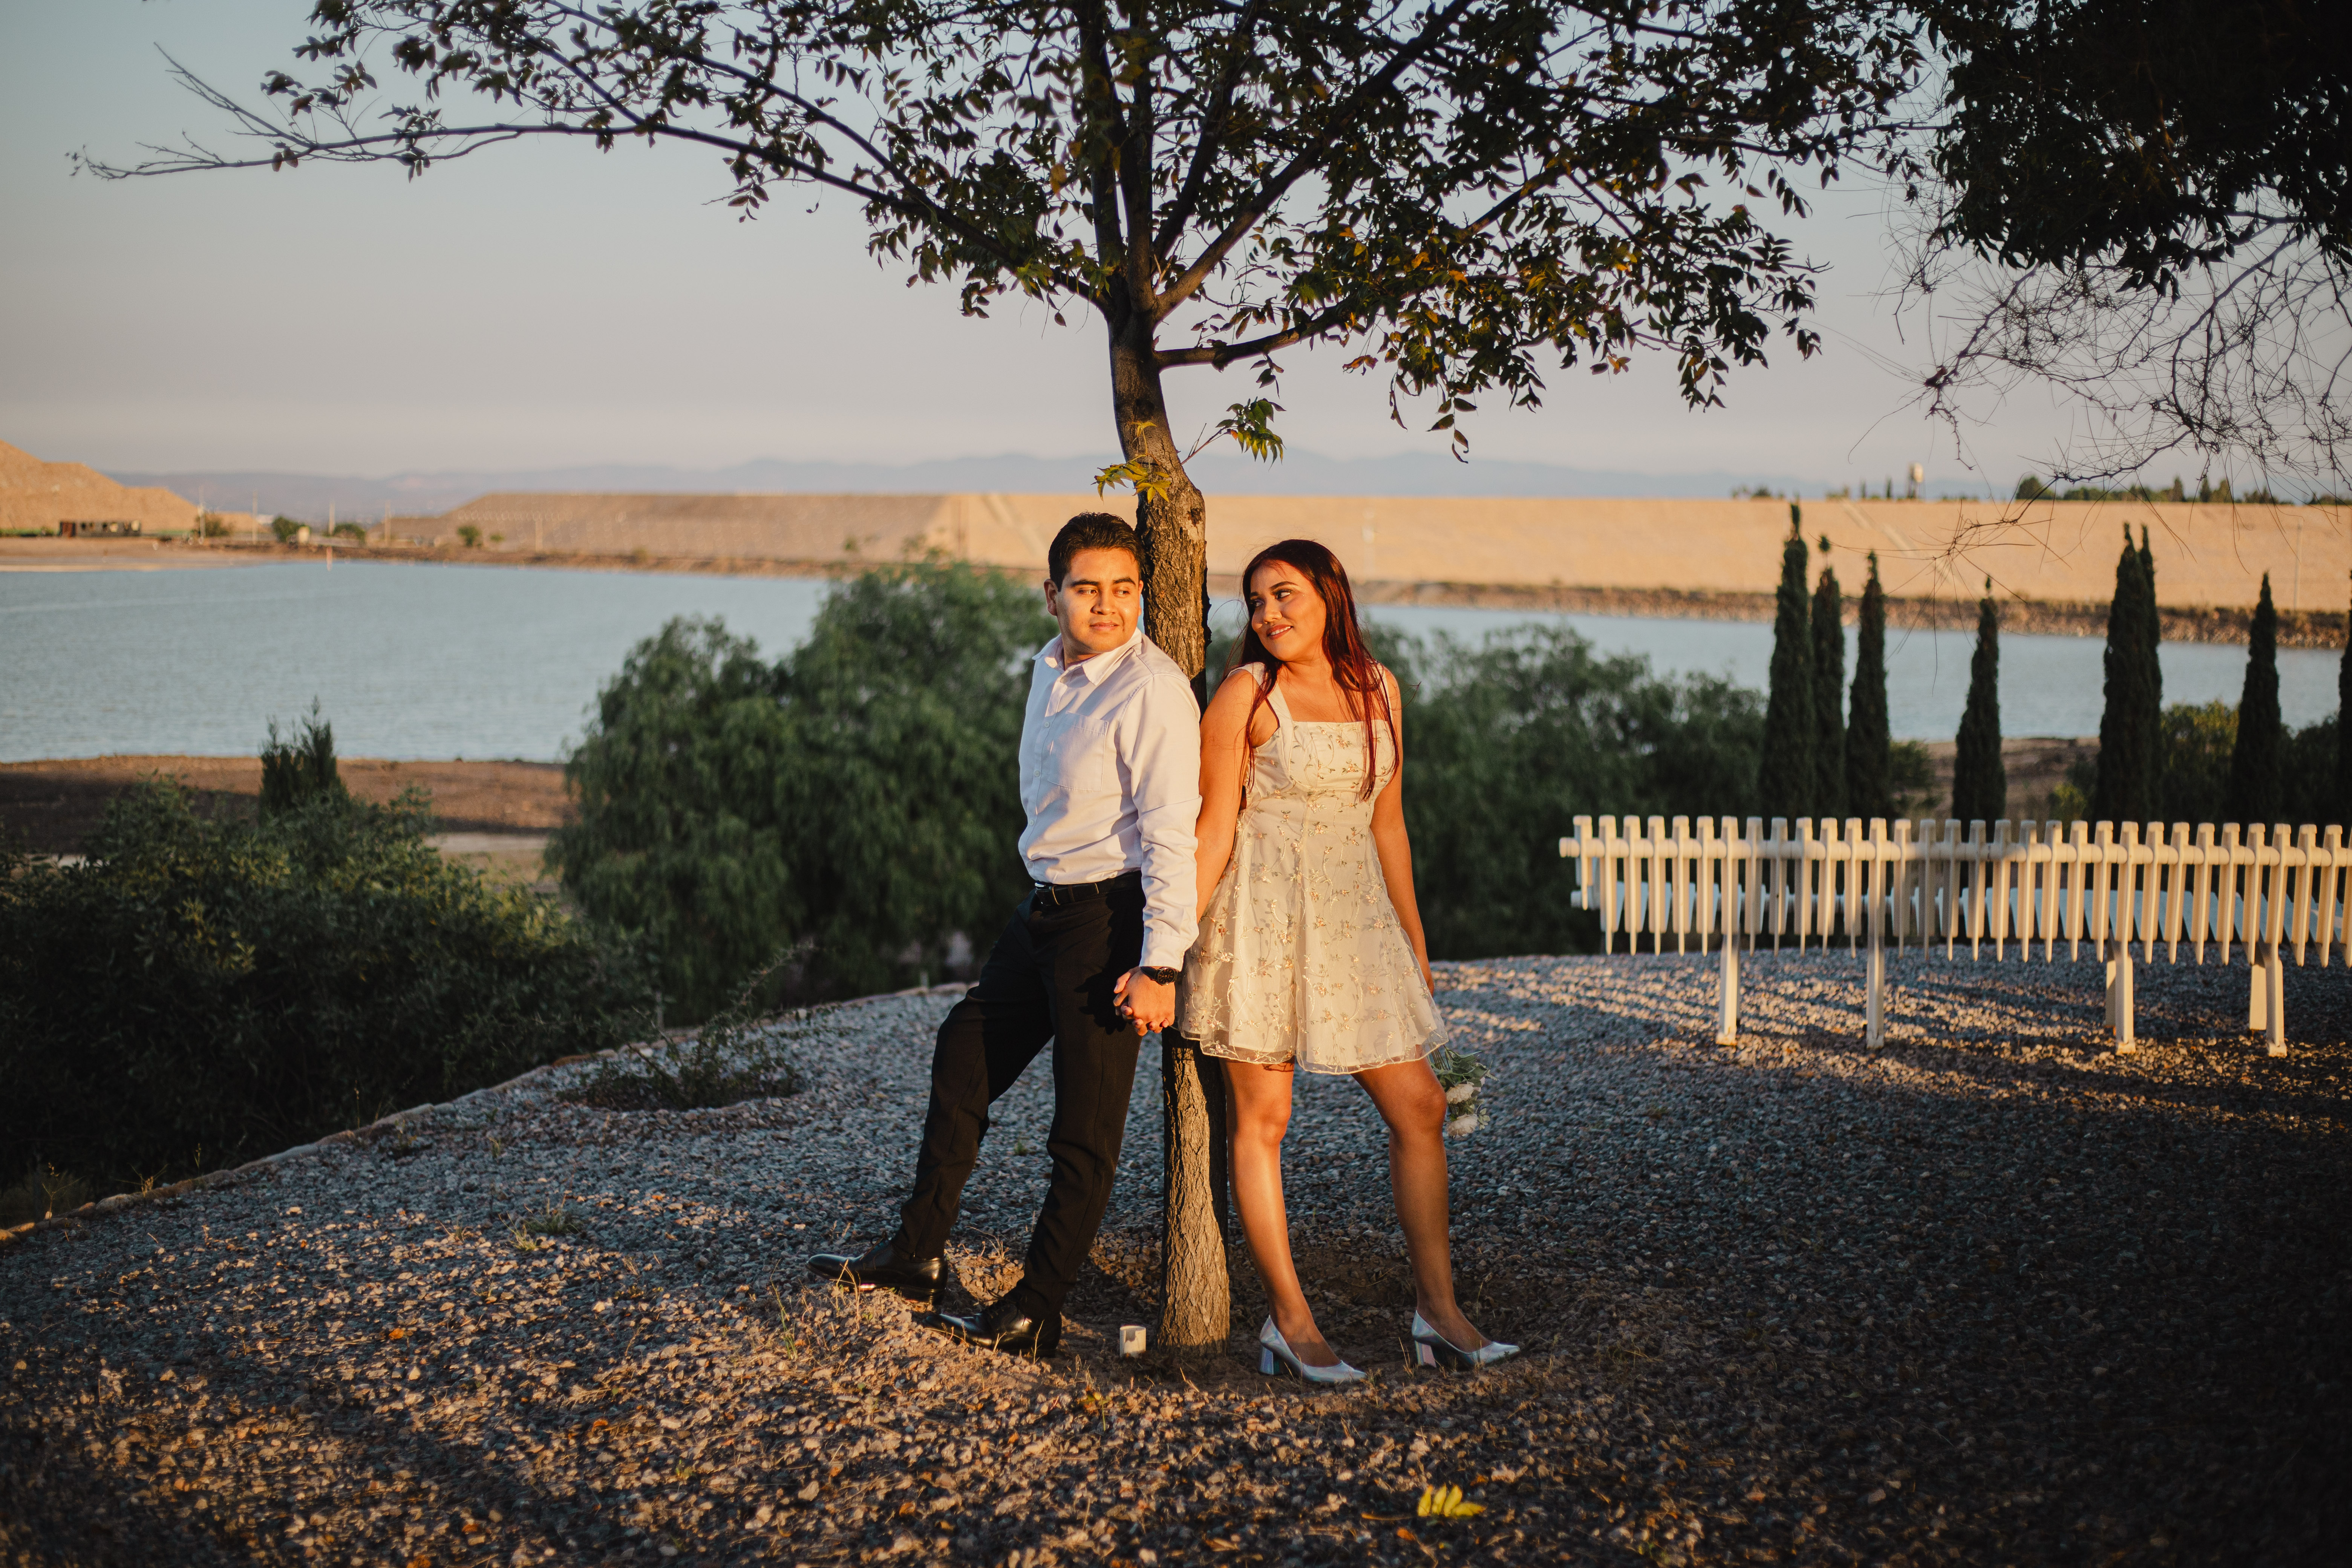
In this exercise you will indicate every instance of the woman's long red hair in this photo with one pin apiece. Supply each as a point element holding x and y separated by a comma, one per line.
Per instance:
<point>1352,665</point>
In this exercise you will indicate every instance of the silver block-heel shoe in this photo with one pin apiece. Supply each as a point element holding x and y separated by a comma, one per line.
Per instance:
<point>1274,1353</point>
<point>1431,1348</point>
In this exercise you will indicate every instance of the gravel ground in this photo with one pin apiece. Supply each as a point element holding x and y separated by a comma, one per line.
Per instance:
<point>1993,1295</point>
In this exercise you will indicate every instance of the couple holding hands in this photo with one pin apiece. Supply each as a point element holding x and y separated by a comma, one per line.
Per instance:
<point>1258,854</point>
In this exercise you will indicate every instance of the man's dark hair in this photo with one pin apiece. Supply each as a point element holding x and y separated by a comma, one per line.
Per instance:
<point>1090,530</point>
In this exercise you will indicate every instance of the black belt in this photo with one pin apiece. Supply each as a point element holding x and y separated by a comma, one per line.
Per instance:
<point>1055,895</point>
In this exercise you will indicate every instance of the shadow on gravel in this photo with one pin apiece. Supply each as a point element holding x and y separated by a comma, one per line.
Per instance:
<point>143,1488</point>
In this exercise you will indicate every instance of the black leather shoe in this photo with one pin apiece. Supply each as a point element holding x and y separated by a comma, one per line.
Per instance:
<point>1005,1325</point>
<point>921,1279</point>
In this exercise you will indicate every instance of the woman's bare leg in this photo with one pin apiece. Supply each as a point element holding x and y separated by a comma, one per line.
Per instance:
<point>1259,1099</point>
<point>1414,1108</point>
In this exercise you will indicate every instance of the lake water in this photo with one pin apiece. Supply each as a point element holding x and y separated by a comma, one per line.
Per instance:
<point>429,661</point>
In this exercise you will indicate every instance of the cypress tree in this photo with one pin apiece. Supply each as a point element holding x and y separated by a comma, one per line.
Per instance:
<point>2254,793</point>
<point>2152,632</point>
<point>1829,687</point>
<point>1980,782</point>
<point>1869,789</point>
<point>1785,780</point>
<point>2124,789</point>
<point>2344,731</point>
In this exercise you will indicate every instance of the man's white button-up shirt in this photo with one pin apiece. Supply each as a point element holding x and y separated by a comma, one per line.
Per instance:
<point>1110,776</point>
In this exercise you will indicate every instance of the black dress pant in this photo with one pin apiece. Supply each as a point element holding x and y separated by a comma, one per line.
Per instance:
<point>1048,978</point>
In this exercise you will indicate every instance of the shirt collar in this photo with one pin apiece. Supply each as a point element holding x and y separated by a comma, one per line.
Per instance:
<point>1090,671</point>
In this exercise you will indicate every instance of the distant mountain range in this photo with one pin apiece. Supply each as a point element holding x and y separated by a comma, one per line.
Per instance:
<point>310,497</point>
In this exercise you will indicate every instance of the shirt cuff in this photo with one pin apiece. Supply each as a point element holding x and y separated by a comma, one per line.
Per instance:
<point>1161,952</point>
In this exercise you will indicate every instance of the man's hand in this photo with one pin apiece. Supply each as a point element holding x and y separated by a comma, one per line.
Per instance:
<point>1151,1005</point>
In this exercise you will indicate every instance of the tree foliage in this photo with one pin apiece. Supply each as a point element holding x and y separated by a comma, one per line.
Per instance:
<point>2160,187</point>
<point>1459,194</point>
<point>1980,778</point>
<point>1869,756</point>
<point>1507,741</point>
<point>2196,743</point>
<point>1829,686</point>
<point>198,993</point>
<point>1466,188</point>
<point>856,802</point>
<point>1786,775</point>
<point>2256,793</point>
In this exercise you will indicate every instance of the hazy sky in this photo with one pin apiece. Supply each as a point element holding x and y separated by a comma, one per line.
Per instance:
<point>536,306</point>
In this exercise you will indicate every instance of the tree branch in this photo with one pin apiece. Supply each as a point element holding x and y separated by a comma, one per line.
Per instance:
<point>1224,354</point>
<point>1135,171</point>
<point>1214,115</point>
<point>1277,184</point>
<point>1099,106</point>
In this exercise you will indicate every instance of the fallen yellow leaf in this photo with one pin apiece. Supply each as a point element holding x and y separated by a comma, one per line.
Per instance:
<point>1445,1503</point>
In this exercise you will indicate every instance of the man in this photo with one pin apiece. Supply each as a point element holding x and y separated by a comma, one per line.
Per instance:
<point>1110,778</point>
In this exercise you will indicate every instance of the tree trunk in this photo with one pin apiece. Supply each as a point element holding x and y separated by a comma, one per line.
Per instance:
<point>1172,519</point>
<point>1196,1306</point>
<point>1171,528</point>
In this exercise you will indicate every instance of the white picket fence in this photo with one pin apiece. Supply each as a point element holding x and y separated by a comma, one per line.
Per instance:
<point>2000,886</point>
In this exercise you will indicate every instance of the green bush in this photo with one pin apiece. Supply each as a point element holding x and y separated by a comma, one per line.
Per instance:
<point>2195,739</point>
<point>301,769</point>
<point>1911,778</point>
<point>856,804</point>
<point>285,529</point>
<point>197,993</point>
<point>1507,742</point>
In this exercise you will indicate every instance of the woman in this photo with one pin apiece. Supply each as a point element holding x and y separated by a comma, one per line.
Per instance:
<point>1311,953</point>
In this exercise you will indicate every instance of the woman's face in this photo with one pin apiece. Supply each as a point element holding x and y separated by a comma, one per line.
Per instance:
<point>1286,612</point>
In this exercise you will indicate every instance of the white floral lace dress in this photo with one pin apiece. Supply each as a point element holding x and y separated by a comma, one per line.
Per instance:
<point>1301,958</point>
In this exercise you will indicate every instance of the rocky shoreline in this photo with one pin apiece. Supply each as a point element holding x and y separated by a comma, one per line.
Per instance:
<point>1992,1295</point>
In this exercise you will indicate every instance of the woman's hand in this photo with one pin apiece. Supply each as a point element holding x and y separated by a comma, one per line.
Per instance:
<point>1149,1003</point>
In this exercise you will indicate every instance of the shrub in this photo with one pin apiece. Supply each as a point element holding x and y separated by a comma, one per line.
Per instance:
<point>856,804</point>
<point>301,769</point>
<point>199,993</point>
<point>471,535</point>
<point>1911,778</point>
<point>285,528</point>
<point>350,530</point>
<point>1507,743</point>
<point>2197,742</point>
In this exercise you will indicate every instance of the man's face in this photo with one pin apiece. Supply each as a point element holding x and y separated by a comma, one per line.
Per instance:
<point>1097,602</point>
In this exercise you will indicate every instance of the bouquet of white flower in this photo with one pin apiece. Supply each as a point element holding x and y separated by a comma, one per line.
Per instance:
<point>1459,1074</point>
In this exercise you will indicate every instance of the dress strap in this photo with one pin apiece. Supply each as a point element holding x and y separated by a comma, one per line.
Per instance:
<point>1274,699</point>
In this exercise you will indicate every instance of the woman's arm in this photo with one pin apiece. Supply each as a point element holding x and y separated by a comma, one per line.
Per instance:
<point>1224,761</point>
<point>1389,837</point>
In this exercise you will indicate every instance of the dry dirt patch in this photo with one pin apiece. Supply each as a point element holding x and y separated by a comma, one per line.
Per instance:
<point>52,805</point>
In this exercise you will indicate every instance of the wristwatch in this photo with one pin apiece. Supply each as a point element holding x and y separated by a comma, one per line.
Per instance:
<point>1159,975</point>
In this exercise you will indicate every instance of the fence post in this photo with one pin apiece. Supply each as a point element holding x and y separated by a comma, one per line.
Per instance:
<point>1874,985</point>
<point>1727,1030</point>
<point>2249,867</point>
<point>2111,924</point>
<point>2275,1026</point>
<point>2119,998</point>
